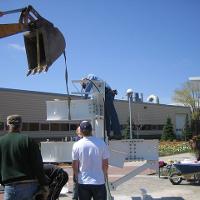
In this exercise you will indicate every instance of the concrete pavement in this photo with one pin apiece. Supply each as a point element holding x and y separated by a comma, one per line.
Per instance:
<point>151,187</point>
<point>145,186</point>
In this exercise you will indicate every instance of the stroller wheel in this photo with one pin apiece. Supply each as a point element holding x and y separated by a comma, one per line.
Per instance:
<point>175,178</point>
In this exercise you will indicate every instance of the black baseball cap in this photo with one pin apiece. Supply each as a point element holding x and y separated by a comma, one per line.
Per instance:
<point>85,126</point>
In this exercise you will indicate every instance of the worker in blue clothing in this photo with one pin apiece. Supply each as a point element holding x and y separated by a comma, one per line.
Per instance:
<point>112,121</point>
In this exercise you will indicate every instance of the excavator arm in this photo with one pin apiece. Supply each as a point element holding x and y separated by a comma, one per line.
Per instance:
<point>11,29</point>
<point>44,43</point>
<point>29,17</point>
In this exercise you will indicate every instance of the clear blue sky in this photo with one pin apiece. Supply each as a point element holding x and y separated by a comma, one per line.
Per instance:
<point>151,46</point>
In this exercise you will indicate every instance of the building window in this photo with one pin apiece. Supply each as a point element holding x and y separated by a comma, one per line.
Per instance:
<point>160,127</point>
<point>33,126</point>
<point>44,127</point>
<point>1,126</point>
<point>64,127</point>
<point>146,127</point>
<point>54,127</point>
<point>154,127</point>
<point>25,126</point>
<point>73,127</point>
<point>135,127</point>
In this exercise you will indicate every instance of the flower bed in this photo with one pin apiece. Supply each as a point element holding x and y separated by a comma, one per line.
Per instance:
<point>170,148</point>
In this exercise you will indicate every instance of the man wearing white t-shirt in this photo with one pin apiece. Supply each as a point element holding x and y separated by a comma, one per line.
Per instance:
<point>90,164</point>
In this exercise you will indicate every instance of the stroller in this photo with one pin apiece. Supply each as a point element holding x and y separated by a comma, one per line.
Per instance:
<point>185,171</point>
<point>56,178</point>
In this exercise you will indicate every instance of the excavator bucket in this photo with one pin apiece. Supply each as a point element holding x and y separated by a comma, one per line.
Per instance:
<point>43,46</point>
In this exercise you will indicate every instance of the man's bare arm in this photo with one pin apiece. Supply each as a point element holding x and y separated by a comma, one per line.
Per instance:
<point>75,167</point>
<point>105,167</point>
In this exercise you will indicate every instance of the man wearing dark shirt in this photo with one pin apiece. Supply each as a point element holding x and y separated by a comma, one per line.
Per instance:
<point>21,167</point>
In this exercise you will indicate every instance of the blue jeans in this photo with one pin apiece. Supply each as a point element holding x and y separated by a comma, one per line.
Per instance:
<point>23,191</point>
<point>87,192</point>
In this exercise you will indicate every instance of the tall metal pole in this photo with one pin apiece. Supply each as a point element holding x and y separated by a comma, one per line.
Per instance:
<point>130,117</point>
<point>130,99</point>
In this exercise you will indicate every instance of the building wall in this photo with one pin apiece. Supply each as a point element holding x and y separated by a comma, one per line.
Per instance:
<point>149,118</point>
<point>32,107</point>
<point>148,113</point>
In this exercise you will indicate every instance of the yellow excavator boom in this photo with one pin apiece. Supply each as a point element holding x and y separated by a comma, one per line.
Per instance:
<point>11,29</point>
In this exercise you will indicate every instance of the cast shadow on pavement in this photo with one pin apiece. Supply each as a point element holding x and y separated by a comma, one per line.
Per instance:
<point>146,196</point>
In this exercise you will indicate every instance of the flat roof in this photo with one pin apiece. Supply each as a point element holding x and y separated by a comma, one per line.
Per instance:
<point>64,95</point>
<point>33,92</point>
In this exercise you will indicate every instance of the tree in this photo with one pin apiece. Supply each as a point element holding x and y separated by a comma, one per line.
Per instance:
<point>187,133</point>
<point>168,132</point>
<point>189,95</point>
<point>126,130</point>
<point>195,144</point>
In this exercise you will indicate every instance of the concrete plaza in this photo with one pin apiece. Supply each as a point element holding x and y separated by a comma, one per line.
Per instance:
<point>145,186</point>
<point>148,186</point>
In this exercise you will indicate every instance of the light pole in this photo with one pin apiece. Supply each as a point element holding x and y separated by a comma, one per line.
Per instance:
<point>129,94</point>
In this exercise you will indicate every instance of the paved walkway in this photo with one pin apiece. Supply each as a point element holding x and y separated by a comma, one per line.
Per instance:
<point>150,187</point>
<point>145,186</point>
